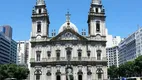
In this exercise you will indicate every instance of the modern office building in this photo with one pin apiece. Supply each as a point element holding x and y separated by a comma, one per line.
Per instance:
<point>8,47</point>
<point>112,50</point>
<point>4,49</point>
<point>112,56</point>
<point>7,30</point>
<point>113,41</point>
<point>13,51</point>
<point>138,35</point>
<point>127,49</point>
<point>68,55</point>
<point>22,52</point>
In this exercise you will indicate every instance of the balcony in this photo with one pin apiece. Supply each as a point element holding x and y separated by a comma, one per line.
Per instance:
<point>61,59</point>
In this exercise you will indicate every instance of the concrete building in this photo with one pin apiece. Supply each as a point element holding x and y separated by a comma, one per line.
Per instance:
<point>4,49</point>
<point>7,30</point>
<point>22,52</point>
<point>131,47</point>
<point>13,51</point>
<point>113,41</point>
<point>68,55</point>
<point>112,56</point>
<point>127,49</point>
<point>8,47</point>
<point>112,50</point>
<point>138,35</point>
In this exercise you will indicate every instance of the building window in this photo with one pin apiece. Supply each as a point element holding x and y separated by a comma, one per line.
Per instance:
<point>38,55</point>
<point>89,72</point>
<point>79,77</point>
<point>80,73</point>
<point>48,73</point>
<point>37,77</point>
<point>49,54</point>
<point>88,54</point>
<point>39,11</point>
<point>37,74</point>
<point>97,10</point>
<point>98,26</point>
<point>79,55</point>
<point>99,55</point>
<point>99,72</point>
<point>39,27</point>
<point>99,76</point>
<point>58,77</point>
<point>58,56</point>
<point>68,55</point>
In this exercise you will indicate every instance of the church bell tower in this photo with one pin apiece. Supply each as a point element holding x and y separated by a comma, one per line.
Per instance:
<point>96,19</point>
<point>40,20</point>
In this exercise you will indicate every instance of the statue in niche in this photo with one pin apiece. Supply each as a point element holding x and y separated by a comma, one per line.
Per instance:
<point>69,74</point>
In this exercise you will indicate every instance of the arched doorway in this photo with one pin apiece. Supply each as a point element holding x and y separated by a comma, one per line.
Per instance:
<point>100,73</point>
<point>58,77</point>
<point>38,74</point>
<point>79,77</point>
<point>80,73</point>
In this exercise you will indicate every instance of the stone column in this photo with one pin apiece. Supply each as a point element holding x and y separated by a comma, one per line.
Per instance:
<point>94,75</point>
<point>63,73</point>
<point>44,76</point>
<point>75,70</point>
<point>32,76</point>
<point>53,72</point>
<point>84,75</point>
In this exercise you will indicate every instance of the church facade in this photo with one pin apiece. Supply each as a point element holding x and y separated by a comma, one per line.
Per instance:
<point>68,55</point>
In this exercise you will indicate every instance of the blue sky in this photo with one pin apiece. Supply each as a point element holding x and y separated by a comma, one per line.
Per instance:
<point>123,16</point>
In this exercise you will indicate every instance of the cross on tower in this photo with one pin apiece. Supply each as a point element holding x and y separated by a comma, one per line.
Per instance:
<point>68,16</point>
<point>96,1</point>
<point>40,2</point>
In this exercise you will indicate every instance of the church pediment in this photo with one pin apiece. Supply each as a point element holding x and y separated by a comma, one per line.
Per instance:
<point>68,35</point>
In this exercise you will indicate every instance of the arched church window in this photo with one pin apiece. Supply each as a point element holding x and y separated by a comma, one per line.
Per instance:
<point>80,73</point>
<point>49,54</point>
<point>99,55</point>
<point>37,74</point>
<point>39,27</point>
<point>99,72</point>
<point>97,10</point>
<point>68,55</point>
<point>99,76</point>
<point>79,55</point>
<point>79,77</point>
<point>48,73</point>
<point>38,55</point>
<point>37,77</point>
<point>39,11</point>
<point>58,75</point>
<point>88,53</point>
<point>58,56</point>
<point>98,26</point>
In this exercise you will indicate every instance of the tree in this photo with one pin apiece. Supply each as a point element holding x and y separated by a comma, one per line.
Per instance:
<point>13,71</point>
<point>138,65</point>
<point>113,72</point>
<point>128,69</point>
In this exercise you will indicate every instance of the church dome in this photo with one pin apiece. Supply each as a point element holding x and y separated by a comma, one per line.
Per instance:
<point>65,26</point>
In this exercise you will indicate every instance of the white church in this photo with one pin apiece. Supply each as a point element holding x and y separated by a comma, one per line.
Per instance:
<point>68,55</point>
